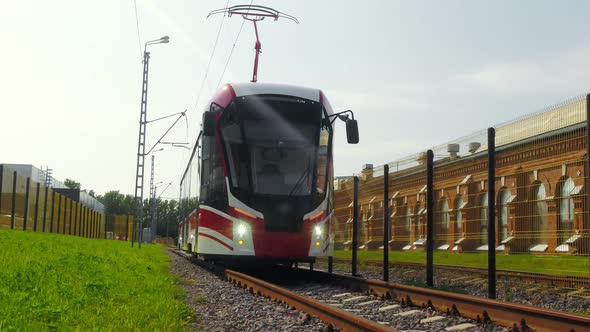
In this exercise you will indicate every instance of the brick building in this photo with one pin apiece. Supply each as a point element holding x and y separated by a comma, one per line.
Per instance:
<point>540,191</point>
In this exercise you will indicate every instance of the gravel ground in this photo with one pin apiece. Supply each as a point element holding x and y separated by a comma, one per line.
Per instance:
<point>538,295</point>
<point>401,318</point>
<point>221,306</point>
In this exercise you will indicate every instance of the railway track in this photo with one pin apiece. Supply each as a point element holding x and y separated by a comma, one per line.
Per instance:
<point>357,304</point>
<point>573,282</point>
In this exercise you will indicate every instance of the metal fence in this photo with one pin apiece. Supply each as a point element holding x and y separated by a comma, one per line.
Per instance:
<point>119,227</point>
<point>512,198</point>
<point>31,206</point>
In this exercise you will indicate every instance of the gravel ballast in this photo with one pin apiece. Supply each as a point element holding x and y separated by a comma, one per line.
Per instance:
<point>221,306</point>
<point>514,291</point>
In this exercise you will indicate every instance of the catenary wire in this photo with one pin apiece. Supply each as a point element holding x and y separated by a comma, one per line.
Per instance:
<point>211,58</point>
<point>137,25</point>
<point>232,51</point>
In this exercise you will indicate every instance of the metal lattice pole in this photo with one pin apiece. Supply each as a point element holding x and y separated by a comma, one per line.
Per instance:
<point>152,198</point>
<point>138,221</point>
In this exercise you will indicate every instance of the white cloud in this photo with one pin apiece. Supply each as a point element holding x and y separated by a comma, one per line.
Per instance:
<point>561,74</point>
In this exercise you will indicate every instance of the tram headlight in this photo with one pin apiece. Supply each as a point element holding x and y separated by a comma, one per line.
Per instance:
<point>241,229</point>
<point>318,230</point>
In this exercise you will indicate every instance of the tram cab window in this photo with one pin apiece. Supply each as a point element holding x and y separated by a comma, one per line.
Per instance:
<point>212,177</point>
<point>270,145</point>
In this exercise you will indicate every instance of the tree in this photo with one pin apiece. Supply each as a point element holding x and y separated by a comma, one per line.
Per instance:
<point>167,210</point>
<point>72,184</point>
<point>116,203</point>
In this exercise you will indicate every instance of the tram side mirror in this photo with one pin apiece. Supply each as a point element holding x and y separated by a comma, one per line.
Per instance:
<point>209,124</point>
<point>352,131</point>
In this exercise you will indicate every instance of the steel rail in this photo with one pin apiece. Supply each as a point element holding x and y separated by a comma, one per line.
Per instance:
<point>329,314</point>
<point>326,313</point>
<point>550,279</point>
<point>481,309</point>
<point>520,317</point>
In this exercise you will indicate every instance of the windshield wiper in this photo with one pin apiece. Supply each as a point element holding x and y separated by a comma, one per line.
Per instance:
<point>297,185</point>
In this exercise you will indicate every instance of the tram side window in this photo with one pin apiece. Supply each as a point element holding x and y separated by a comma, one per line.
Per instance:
<point>212,179</point>
<point>323,154</point>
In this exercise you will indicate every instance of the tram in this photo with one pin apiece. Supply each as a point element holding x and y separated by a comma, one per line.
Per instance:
<point>266,174</point>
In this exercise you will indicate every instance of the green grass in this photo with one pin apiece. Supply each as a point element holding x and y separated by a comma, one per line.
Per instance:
<point>548,264</point>
<point>51,281</point>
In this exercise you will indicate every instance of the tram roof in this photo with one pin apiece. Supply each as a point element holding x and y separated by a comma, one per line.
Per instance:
<point>246,89</point>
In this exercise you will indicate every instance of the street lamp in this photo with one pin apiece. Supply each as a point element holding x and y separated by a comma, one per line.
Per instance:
<point>141,141</point>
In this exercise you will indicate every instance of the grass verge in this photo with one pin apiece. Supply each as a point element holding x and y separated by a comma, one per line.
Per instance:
<point>52,281</point>
<point>548,264</point>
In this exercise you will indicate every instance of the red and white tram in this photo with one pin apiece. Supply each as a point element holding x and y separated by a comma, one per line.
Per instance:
<point>266,174</point>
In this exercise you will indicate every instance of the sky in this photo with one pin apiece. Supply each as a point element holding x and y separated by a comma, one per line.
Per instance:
<point>416,73</point>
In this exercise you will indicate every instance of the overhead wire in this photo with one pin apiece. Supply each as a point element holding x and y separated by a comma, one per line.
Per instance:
<point>231,51</point>
<point>211,57</point>
<point>137,25</point>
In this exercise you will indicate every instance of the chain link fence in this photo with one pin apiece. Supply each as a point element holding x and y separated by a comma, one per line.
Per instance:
<point>508,205</point>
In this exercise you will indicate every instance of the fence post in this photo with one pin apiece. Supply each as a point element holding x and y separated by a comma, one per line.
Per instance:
<point>84,220</point>
<point>36,207</point>
<point>52,211</point>
<point>78,224</point>
<point>71,207</point>
<point>76,218</point>
<point>13,207</point>
<point>587,165</point>
<point>90,223</point>
<point>79,231</point>
<point>26,212</point>
<point>386,223</point>
<point>126,228</point>
<point>1,182</point>
<point>429,219</point>
<point>45,208</point>
<point>58,213</point>
<point>63,231</point>
<point>89,228</point>
<point>355,209</point>
<point>491,213</point>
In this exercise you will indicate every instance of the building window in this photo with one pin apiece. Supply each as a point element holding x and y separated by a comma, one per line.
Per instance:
<point>483,217</point>
<point>458,214</point>
<point>417,226</point>
<point>566,210</point>
<point>539,226</point>
<point>408,223</point>
<point>445,218</point>
<point>503,217</point>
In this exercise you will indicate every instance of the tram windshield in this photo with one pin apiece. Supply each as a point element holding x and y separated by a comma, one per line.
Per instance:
<point>272,146</point>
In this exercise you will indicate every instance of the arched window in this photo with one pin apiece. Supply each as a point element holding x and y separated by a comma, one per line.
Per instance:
<point>445,218</point>
<point>408,223</point>
<point>483,217</point>
<point>503,217</point>
<point>458,213</point>
<point>417,230</point>
<point>566,210</point>
<point>539,226</point>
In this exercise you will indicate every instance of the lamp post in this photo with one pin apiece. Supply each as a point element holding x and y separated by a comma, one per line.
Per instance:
<point>141,142</point>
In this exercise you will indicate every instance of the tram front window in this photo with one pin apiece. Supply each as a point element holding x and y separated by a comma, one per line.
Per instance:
<point>272,144</point>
